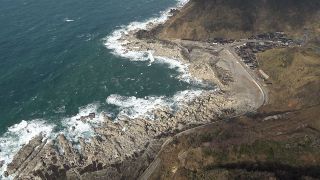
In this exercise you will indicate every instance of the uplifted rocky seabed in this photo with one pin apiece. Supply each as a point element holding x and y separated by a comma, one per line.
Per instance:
<point>118,141</point>
<point>124,148</point>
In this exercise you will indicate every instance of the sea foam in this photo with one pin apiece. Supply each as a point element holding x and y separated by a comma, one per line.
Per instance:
<point>19,135</point>
<point>180,67</point>
<point>75,128</point>
<point>72,127</point>
<point>132,107</point>
<point>117,42</point>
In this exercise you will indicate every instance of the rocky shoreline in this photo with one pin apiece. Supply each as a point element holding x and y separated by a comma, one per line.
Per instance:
<point>115,143</point>
<point>126,147</point>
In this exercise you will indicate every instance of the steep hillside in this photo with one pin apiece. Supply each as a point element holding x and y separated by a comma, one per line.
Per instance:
<point>203,19</point>
<point>244,148</point>
<point>280,141</point>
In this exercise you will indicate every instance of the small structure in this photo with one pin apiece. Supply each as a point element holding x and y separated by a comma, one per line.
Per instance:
<point>263,74</point>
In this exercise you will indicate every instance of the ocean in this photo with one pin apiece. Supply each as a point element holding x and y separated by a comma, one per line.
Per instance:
<point>59,61</point>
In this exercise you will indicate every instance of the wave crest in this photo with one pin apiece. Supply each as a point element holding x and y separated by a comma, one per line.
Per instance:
<point>133,107</point>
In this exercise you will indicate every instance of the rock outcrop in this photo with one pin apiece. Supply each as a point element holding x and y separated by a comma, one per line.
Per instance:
<point>119,149</point>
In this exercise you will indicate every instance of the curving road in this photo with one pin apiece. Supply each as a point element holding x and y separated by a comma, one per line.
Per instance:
<point>246,84</point>
<point>260,85</point>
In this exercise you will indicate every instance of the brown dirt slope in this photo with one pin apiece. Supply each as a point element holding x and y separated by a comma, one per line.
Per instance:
<point>280,141</point>
<point>203,19</point>
<point>246,148</point>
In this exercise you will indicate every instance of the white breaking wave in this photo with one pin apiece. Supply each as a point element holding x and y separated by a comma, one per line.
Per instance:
<point>117,43</point>
<point>19,135</point>
<point>132,107</point>
<point>68,20</point>
<point>181,3</point>
<point>180,67</point>
<point>74,127</point>
<point>150,57</point>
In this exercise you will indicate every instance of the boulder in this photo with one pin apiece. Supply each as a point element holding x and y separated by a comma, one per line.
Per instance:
<point>23,154</point>
<point>2,163</point>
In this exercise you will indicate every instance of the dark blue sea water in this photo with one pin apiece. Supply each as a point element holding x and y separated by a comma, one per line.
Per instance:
<point>55,67</point>
<point>53,61</point>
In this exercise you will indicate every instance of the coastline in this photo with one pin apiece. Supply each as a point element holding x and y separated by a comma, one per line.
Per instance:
<point>118,141</point>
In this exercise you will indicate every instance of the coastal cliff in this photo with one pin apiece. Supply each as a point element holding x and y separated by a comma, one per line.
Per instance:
<point>236,19</point>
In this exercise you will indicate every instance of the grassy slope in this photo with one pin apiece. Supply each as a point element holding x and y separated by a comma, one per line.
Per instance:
<point>295,76</point>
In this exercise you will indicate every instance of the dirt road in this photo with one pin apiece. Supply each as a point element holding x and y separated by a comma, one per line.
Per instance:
<point>245,83</point>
